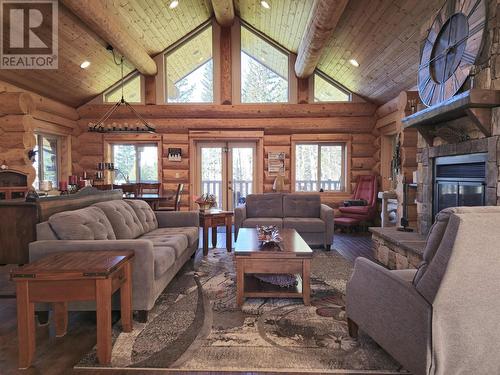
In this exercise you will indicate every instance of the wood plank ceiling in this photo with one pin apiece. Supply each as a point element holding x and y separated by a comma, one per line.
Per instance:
<point>382,35</point>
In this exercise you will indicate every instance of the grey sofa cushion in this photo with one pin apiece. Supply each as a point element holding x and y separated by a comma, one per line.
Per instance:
<point>192,233</point>
<point>89,223</point>
<point>254,221</point>
<point>123,219</point>
<point>178,242</point>
<point>164,259</point>
<point>265,205</point>
<point>301,205</point>
<point>304,225</point>
<point>145,214</point>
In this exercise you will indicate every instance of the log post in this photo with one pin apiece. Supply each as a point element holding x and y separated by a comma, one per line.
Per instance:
<point>224,12</point>
<point>226,89</point>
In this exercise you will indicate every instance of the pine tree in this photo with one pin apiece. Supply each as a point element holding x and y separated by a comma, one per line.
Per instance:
<point>207,86</point>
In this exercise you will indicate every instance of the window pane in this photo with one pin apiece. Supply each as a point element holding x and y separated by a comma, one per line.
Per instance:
<point>124,158</point>
<point>189,71</point>
<point>331,167</point>
<point>264,70</point>
<point>36,165</point>
<point>148,167</point>
<point>325,91</point>
<point>131,92</point>
<point>211,172</point>
<point>306,168</point>
<point>242,174</point>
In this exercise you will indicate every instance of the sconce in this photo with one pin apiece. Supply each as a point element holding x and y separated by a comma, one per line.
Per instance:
<point>31,155</point>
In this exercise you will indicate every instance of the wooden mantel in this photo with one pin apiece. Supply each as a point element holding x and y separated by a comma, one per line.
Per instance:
<point>476,104</point>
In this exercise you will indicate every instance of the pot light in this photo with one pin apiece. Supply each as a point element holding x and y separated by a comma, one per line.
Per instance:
<point>85,64</point>
<point>173,4</point>
<point>353,62</point>
<point>265,4</point>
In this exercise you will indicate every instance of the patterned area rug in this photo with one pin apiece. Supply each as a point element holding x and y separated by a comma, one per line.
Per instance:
<point>196,325</point>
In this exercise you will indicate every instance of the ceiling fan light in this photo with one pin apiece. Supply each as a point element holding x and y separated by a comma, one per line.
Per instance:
<point>85,64</point>
<point>173,4</point>
<point>353,62</point>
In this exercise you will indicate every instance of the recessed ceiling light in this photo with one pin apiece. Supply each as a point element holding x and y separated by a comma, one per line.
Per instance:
<point>353,62</point>
<point>265,4</point>
<point>173,4</point>
<point>85,64</point>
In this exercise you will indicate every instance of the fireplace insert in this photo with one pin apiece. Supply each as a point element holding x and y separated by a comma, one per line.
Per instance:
<point>459,181</point>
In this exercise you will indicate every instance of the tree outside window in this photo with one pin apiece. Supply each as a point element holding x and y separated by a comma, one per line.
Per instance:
<point>320,166</point>
<point>46,160</point>
<point>135,163</point>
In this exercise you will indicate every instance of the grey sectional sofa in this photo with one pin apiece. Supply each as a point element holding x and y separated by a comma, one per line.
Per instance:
<point>162,241</point>
<point>301,211</point>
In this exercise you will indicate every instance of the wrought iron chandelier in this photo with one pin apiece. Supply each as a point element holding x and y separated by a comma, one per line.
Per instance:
<point>101,127</point>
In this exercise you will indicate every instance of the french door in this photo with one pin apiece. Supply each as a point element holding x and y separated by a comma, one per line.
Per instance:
<point>226,170</point>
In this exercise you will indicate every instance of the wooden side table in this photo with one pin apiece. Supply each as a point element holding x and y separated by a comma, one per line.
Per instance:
<point>73,276</point>
<point>212,219</point>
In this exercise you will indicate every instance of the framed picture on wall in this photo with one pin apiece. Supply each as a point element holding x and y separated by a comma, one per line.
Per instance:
<point>175,154</point>
<point>276,163</point>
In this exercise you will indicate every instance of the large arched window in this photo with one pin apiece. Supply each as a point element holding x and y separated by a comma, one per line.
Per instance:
<point>264,70</point>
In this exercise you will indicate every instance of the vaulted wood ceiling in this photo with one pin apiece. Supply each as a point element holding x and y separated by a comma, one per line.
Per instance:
<point>382,35</point>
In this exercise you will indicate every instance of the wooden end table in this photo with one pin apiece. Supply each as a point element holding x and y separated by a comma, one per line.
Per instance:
<point>73,276</point>
<point>212,219</point>
<point>293,256</point>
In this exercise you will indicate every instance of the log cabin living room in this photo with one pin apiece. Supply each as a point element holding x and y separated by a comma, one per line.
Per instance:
<point>249,187</point>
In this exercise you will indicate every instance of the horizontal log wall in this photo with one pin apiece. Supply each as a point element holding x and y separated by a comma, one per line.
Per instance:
<point>279,122</point>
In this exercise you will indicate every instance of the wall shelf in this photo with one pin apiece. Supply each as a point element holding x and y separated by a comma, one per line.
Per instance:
<point>441,119</point>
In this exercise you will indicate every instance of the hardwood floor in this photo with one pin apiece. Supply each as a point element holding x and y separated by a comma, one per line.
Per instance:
<point>58,355</point>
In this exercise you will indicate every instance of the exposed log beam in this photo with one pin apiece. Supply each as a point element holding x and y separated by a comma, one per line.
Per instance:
<point>235,111</point>
<point>324,17</point>
<point>16,103</point>
<point>101,16</point>
<point>224,12</point>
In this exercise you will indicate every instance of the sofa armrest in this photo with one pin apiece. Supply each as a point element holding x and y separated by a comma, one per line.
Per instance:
<point>327,214</point>
<point>172,219</point>
<point>240,214</point>
<point>390,310</point>
<point>142,266</point>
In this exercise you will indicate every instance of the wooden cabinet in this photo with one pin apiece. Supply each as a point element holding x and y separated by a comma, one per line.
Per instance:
<point>13,184</point>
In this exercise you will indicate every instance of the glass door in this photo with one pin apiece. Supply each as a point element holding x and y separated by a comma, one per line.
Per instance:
<point>226,170</point>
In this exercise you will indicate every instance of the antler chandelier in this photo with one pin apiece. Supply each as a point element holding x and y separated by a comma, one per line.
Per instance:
<point>101,127</point>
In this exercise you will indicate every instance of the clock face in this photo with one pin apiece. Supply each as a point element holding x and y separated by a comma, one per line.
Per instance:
<point>450,49</point>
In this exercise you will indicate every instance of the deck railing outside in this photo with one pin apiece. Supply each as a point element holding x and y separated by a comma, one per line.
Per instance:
<point>326,185</point>
<point>240,188</point>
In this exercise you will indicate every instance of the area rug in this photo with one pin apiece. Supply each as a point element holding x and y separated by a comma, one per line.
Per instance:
<point>196,325</point>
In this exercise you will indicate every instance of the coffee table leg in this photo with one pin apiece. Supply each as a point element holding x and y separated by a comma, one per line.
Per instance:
<point>306,279</point>
<point>229,239</point>
<point>214,237</point>
<point>61,318</point>
<point>25,325</point>
<point>240,281</point>
<point>103,305</point>
<point>126,299</point>
<point>205,240</point>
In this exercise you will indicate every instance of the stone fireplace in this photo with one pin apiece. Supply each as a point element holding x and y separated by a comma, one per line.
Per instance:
<point>442,180</point>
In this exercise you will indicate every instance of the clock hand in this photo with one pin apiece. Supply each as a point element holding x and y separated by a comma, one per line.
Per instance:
<point>442,54</point>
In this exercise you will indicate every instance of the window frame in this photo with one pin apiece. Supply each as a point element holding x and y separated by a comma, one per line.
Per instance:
<point>40,170</point>
<point>331,82</point>
<point>127,79</point>
<point>137,163</point>
<point>273,44</point>
<point>171,49</point>
<point>344,162</point>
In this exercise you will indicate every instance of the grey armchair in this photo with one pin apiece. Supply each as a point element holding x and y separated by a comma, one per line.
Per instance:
<point>442,318</point>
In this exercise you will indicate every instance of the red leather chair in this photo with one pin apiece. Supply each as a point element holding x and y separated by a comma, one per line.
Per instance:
<point>366,189</point>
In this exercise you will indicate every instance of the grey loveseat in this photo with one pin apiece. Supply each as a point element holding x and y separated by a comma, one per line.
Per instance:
<point>300,211</point>
<point>162,242</point>
<point>442,318</point>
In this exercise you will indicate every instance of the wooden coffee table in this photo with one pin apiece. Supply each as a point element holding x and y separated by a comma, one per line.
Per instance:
<point>292,257</point>
<point>73,276</point>
<point>212,219</point>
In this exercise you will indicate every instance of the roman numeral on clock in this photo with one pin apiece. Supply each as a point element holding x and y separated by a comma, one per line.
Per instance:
<point>468,57</point>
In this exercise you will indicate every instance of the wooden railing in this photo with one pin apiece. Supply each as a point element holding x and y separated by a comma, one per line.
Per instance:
<point>326,185</point>
<point>240,188</point>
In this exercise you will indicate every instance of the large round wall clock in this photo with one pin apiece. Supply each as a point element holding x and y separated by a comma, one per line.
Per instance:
<point>450,49</point>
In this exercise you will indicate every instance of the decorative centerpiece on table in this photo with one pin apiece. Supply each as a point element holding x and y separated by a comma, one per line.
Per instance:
<point>269,237</point>
<point>206,201</point>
